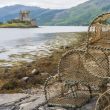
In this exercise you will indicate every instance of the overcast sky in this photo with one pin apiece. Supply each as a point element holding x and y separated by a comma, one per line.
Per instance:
<point>43,3</point>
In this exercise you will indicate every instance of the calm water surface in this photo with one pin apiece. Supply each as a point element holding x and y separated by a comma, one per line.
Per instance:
<point>22,44</point>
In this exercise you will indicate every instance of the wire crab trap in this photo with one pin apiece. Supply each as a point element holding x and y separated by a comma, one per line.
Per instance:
<point>103,102</point>
<point>76,85</point>
<point>99,37</point>
<point>99,32</point>
<point>97,63</point>
<point>83,73</point>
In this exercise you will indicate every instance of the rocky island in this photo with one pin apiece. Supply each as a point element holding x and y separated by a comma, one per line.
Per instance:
<point>23,21</point>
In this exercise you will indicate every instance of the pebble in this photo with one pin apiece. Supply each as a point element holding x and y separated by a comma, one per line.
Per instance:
<point>35,72</point>
<point>65,47</point>
<point>43,74</point>
<point>25,79</point>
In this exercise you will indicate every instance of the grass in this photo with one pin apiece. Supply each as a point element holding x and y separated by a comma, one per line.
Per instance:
<point>15,25</point>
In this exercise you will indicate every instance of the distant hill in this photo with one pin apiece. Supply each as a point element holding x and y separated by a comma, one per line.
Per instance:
<point>82,14</point>
<point>43,16</point>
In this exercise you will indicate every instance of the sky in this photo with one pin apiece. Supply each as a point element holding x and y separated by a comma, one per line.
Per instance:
<point>52,4</point>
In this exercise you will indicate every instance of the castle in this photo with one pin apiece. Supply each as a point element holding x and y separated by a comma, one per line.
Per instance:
<point>24,16</point>
<point>25,19</point>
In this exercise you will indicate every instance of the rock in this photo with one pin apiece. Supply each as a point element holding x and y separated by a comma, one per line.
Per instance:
<point>25,79</point>
<point>29,65</point>
<point>11,98</point>
<point>21,101</point>
<point>35,72</point>
<point>44,74</point>
<point>51,50</point>
<point>60,109</point>
<point>33,102</point>
<point>61,47</point>
<point>90,105</point>
<point>41,108</point>
<point>53,108</point>
<point>65,47</point>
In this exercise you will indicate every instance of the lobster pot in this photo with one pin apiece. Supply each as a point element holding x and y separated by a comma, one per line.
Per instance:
<point>103,102</point>
<point>99,32</point>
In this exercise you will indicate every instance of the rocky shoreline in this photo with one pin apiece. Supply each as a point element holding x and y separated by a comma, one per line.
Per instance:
<point>21,101</point>
<point>33,74</point>
<point>26,81</point>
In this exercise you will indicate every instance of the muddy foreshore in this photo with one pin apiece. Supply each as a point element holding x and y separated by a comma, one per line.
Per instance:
<point>33,75</point>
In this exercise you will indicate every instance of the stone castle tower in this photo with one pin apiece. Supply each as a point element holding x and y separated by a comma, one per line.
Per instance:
<point>24,16</point>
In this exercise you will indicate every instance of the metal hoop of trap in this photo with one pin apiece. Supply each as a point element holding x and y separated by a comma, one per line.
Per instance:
<point>103,102</point>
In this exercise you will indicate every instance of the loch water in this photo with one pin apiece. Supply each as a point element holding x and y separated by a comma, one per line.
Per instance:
<point>23,44</point>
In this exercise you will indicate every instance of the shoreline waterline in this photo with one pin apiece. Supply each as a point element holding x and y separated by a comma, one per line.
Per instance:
<point>27,49</point>
<point>36,72</point>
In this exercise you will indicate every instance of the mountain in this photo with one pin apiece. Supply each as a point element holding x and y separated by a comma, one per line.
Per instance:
<point>82,14</point>
<point>43,16</point>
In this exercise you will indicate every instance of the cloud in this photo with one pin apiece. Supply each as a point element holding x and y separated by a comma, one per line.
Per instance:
<point>43,3</point>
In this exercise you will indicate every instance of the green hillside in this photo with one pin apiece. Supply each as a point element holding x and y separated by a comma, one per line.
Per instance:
<point>83,14</point>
